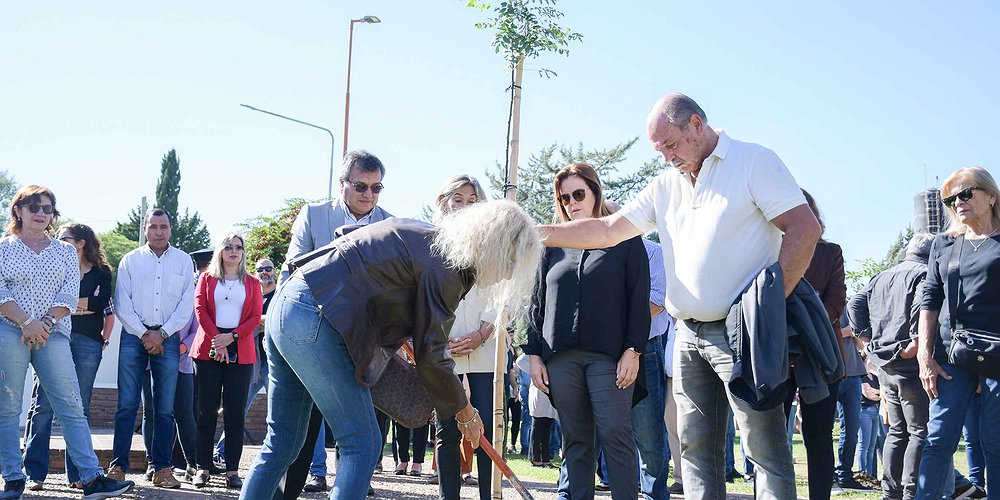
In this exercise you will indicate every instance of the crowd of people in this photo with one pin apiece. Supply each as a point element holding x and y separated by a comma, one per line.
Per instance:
<point>641,360</point>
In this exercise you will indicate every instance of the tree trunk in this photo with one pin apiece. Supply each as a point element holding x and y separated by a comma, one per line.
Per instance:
<point>500,369</point>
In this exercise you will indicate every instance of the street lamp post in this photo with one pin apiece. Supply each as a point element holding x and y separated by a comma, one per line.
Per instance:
<point>350,48</point>
<point>329,188</point>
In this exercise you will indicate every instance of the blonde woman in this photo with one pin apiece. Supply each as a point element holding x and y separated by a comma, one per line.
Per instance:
<point>473,347</point>
<point>972,241</point>
<point>228,304</point>
<point>351,304</point>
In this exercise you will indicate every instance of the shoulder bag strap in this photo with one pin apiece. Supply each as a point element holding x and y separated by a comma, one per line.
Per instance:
<point>954,280</point>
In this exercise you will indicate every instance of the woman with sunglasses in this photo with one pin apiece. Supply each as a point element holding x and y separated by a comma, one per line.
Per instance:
<point>86,343</point>
<point>589,322</point>
<point>473,348</point>
<point>967,300</point>
<point>39,289</point>
<point>228,304</point>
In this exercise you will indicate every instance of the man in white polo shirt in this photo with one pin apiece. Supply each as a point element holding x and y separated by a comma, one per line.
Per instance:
<point>725,211</point>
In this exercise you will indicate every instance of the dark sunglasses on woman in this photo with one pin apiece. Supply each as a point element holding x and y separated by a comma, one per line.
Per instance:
<point>578,195</point>
<point>35,207</point>
<point>361,187</point>
<point>964,195</point>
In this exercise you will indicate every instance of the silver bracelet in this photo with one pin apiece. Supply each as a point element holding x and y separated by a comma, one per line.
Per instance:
<point>466,425</point>
<point>26,322</point>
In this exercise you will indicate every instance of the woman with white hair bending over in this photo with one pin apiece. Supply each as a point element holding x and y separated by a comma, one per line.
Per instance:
<point>348,306</point>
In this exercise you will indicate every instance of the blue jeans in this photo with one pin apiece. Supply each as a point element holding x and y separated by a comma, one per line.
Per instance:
<point>730,443</point>
<point>871,428</point>
<point>524,383</point>
<point>87,353</point>
<point>132,362</point>
<point>973,447</point>
<point>54,366</point>
<point>318,465</point>
<point>944,428</point>
<point>648,427</point>
<point>310,362</point>
<point>849,413</point>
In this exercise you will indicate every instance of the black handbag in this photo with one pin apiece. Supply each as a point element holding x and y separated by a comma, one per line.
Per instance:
<point>975,350</point>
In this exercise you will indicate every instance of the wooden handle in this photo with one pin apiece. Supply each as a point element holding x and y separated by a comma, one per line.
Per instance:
<point>502,464</point>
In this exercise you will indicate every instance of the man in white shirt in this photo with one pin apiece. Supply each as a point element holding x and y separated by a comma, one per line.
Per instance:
<point>725,211</point>
<point>360,185</point>
<point>314,227</point>
<point>154,299</point>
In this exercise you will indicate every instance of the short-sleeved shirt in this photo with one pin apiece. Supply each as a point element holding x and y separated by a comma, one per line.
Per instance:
<point>716,235</point>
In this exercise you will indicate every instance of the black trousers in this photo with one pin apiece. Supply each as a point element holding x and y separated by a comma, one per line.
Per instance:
<point>514,412</point>
<point>401,443</point>
<point>226,384</point>
<point>817,427</point>
<point>541,436</point>
<point>450,440</point>
<point>583,391</point>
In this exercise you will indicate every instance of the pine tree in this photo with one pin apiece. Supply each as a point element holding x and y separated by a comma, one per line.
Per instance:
<point>168,188</point>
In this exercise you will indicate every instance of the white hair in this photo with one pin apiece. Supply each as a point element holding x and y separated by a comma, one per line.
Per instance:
<point>499,241</point>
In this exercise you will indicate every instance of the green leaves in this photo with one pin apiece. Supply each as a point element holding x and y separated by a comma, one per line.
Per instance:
<point>524,29</point>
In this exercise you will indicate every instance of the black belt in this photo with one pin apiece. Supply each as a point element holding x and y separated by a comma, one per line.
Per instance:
<point>154,327</point>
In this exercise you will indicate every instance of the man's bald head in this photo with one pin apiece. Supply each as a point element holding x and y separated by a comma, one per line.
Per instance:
<point>676,109</point>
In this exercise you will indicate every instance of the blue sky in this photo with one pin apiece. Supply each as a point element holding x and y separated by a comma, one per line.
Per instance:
<point>856,97</point>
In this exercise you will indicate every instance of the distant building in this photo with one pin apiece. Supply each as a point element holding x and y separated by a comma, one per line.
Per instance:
<point>929,214</point>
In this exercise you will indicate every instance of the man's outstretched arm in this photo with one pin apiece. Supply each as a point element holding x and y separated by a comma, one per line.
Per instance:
<point>589,233</point>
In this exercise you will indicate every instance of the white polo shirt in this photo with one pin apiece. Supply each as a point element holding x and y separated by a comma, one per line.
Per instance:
<point>716,235</point>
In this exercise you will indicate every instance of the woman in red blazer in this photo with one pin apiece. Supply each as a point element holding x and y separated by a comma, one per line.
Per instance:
<point>228,305</point>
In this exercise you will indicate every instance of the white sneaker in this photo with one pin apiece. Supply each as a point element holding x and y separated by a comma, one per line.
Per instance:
<point>35,485</point>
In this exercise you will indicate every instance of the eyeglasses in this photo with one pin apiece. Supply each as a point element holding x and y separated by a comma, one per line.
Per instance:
<point>964,195</point>
<point>35,207</point>
<point>578,195</point>
<point>67,238</point>
<point>233,248</point>
<point>265,269</point>
<point>361,187</point>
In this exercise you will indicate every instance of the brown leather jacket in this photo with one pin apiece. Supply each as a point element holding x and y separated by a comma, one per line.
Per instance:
<point>381,284</point>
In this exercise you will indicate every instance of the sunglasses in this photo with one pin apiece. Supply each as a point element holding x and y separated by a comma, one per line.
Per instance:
<point>265,269</point>
<point>578,195</point>
<point>964,195</point>
<point>67,239</point>
<point>233,248</point>
<point>35,207</point>
<point>361,187</point>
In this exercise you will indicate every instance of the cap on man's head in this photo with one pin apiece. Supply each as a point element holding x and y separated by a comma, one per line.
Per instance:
<point>202,257</point>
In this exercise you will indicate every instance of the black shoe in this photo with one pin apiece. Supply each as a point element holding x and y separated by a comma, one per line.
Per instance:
<point>602,487</point>
<point>676,489</point>
<point>315,483</point>
<point>103,487</point>
<point>968,491</point>
<point>733,476</point>
<point>850,483</point>
<point>234,482</point>
<point>13,489</point>
<point>149,473</point>
<point>371,491</point>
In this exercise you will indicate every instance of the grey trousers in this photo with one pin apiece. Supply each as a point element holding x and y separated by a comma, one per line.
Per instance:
<point>908,413</point>
<point>583,391</point>
<point>703,363</point>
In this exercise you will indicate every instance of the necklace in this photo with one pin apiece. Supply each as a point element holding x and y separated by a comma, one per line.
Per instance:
<point>229,288</point>
<point>975,247</point>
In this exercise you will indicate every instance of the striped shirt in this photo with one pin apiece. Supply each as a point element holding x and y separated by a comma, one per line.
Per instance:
<point>154,290</point>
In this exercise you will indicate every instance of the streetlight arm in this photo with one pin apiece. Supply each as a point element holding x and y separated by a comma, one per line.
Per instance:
<point>329,190</point>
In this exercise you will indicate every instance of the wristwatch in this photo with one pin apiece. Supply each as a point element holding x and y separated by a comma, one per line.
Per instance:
<point>236,336</point>
<point>164,334</point>
<point>636,351</point>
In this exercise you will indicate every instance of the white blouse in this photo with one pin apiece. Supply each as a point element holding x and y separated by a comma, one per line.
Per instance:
<point>39,282</point>
<point>229,298</point>
<point>469,315</point>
